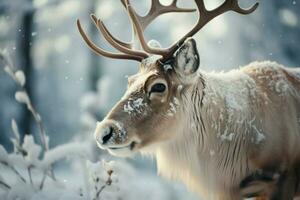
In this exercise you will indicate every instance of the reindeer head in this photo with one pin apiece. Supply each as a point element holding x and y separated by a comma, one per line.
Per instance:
<point>150,110</point>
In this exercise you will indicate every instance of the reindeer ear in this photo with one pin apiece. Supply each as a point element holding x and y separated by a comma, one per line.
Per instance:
<point>187,58</point>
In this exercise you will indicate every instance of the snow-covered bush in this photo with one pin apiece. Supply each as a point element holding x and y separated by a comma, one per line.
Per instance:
<point>29,173</point>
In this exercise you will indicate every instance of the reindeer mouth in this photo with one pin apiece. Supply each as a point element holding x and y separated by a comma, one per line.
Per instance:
<point>130,146</point>
<point>122,151</point>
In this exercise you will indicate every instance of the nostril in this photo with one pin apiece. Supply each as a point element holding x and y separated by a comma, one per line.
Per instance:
<point>108,134</point>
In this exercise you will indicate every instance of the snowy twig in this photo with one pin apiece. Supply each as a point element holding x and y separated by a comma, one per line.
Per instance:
<point>14,170</point>
<point>85,178</point>
<point>107,183</point>
<point>42,181</point>
<point>29,175</point>
<point>5,185</point>
<point>23,97</point>
<point>39,122</point>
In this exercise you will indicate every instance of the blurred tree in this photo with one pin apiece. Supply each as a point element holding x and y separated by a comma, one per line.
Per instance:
<point>94,69</point>
<point>273,33</point>
<point>24,44</point>
<point>287,29</point>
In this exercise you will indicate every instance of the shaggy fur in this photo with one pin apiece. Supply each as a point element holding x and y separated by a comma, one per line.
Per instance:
<point>234,125</point>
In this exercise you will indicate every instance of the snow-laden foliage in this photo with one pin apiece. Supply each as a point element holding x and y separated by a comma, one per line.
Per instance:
<point>27,173</point>
<point>20,77</point>
<point>27,176</point>
<point>39,183</point>
<point>22,97</point>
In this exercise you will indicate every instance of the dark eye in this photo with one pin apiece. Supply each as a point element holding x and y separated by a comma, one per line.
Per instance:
<point>158,87</point>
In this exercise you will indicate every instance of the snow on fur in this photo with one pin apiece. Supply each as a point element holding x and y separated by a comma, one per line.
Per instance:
<point>134,105</point>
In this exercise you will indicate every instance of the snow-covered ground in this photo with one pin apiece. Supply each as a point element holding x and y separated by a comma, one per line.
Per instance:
<point>78,178</point>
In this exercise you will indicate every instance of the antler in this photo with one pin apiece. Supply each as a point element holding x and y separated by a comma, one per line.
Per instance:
<point>156,10</point>
<point>206,16</point>
<point>140,23</point>
<point>127,48</point>
<point>102,52</point>
<point>115,42</point>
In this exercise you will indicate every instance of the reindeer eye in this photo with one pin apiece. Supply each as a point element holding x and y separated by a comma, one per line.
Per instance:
<point>158,88</point>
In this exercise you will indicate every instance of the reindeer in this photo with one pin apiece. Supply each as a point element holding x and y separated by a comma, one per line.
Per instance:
<point>227,135</point>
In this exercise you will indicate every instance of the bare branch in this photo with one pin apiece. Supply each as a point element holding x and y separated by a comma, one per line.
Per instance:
<point>9,69</point>
<point>107,183</point>
<point>5,185</point>
<point>14,170</point>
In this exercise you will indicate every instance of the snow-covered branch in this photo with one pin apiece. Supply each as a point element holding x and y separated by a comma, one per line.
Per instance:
<point>28,156</point>
<point>22,96</point>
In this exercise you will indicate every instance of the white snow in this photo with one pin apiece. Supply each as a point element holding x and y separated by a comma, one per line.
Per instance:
<point>20,77</point>
<point>234,86</point>
<point>9,71</point>
<point>227,136</point>
<point>151,59</point>
<point>15,129</point>
<point>3,154</point>
<point>154,44</point>
<point>288,17</point>
<point>179,88</point>
<point>22,97</point>
<point>281,86</point>
<point>32,149</point>
<point>134,105</point>
<point>176,101</point>
<point>167,67</point>
<point>173,108</point>
<point>128,108</point>
<point>259,137</point>
<point>122,134</point>
<point>78,149</point>
<point>21,191</point>
<point>174,104</point>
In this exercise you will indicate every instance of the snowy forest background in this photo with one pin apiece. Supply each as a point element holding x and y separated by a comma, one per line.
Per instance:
<point>71,88</point>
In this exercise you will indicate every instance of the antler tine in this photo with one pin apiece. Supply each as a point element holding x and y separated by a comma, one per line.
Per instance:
<point>124,44</point>
<point>232,5</point>
<point>206,16</point>
<point>140,23</point>
<point>111,39</point>
<point>102,52</point>
<point>156,10</point>
<point>139,31</point>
